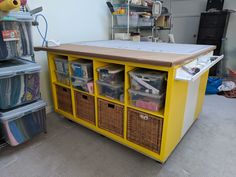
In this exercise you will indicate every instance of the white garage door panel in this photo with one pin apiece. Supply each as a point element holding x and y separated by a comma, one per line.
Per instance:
<point>184,29</point>
<point>191,104</point>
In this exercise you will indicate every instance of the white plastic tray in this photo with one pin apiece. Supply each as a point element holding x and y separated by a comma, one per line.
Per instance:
<point>206,62</point>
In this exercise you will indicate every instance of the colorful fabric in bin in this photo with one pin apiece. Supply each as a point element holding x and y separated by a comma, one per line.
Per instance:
<point>26,38</point>
<point>31,87</point>
<point>19,90</point>
<point>18,47</point>
<point>22,129</point>
<point>152,106</point>
<point>82,69</point>
<point>83,84</point>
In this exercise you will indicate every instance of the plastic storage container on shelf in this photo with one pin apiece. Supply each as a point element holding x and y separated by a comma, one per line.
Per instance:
<point>82,68</point>
<point>61,65</point>
<point>21,124</point>
<point>145,21</point>
<point>19,83</point>
<point>122,20</point>
<point>85,85</point>
<point>111,91</point>
<point>63,78</point>
<point>111,74</point>
<point>16,36</point>
<point>149,81</point>
<point>147,101</point>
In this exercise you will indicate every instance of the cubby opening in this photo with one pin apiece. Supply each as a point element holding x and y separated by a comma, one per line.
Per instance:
<point>82,77</point>
<point>147,89</point>
<point>110,81</point>
<point>61,69</point>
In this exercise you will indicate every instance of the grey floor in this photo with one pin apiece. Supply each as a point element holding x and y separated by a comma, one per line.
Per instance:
<point>69,150</point>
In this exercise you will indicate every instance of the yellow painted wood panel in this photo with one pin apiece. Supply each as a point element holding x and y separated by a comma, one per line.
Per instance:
<point>201,93</point>
<point>174,114</point>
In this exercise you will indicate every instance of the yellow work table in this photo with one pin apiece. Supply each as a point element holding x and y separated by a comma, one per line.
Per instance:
<point>153,133</point>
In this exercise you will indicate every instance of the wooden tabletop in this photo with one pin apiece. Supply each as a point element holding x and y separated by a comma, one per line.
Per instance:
<point>162,58</point>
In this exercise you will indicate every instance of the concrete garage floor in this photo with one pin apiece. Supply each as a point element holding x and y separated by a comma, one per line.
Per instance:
<point>69,150</point>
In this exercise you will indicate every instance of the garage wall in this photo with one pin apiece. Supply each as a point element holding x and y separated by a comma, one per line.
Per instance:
<point>230,46</point>
<point>69,21</point>
<point>186,17</point>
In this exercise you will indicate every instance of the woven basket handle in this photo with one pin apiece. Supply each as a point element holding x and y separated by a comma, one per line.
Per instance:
<point>85,97</point>
<point>64,90</point>
<point>144,117</point>
<point>111,106</point>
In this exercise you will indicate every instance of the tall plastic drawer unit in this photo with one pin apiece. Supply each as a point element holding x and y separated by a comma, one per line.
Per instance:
<point>19,83</point>
<point>21,124</point>
<point>1,136</point>
<point>16,36</point>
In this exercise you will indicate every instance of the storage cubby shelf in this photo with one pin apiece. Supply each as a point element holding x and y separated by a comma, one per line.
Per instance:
<point>158,114</point>
<point>77,90</point>
<point>153,133</point>
<point>110,100</point>
<point>117,108</point>
<point>62,85</point>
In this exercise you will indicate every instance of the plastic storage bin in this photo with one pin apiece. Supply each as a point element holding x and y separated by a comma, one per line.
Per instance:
<point>22,124</point>
<point>122,20</point>
<point>83,84</point>
<point>145,21</point>
<point>111,117</point>
<point>111,74</point>
<point>62,65</point>
<point>149,81</point>
<point>146,101</point>
<point>111,91</point>
<point>19,83</point>
<point>1,136</point>
<point>63,78</point>
<point>15,37</point>
<point>82,69</point>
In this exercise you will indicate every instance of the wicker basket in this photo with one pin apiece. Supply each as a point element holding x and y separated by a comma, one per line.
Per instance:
<point>111,117</point>
<point>64,99</point>
<point>144,130</point>
<point>85,108</point>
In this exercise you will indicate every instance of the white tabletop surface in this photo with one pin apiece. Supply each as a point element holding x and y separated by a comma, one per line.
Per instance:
<point>148,46</point>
